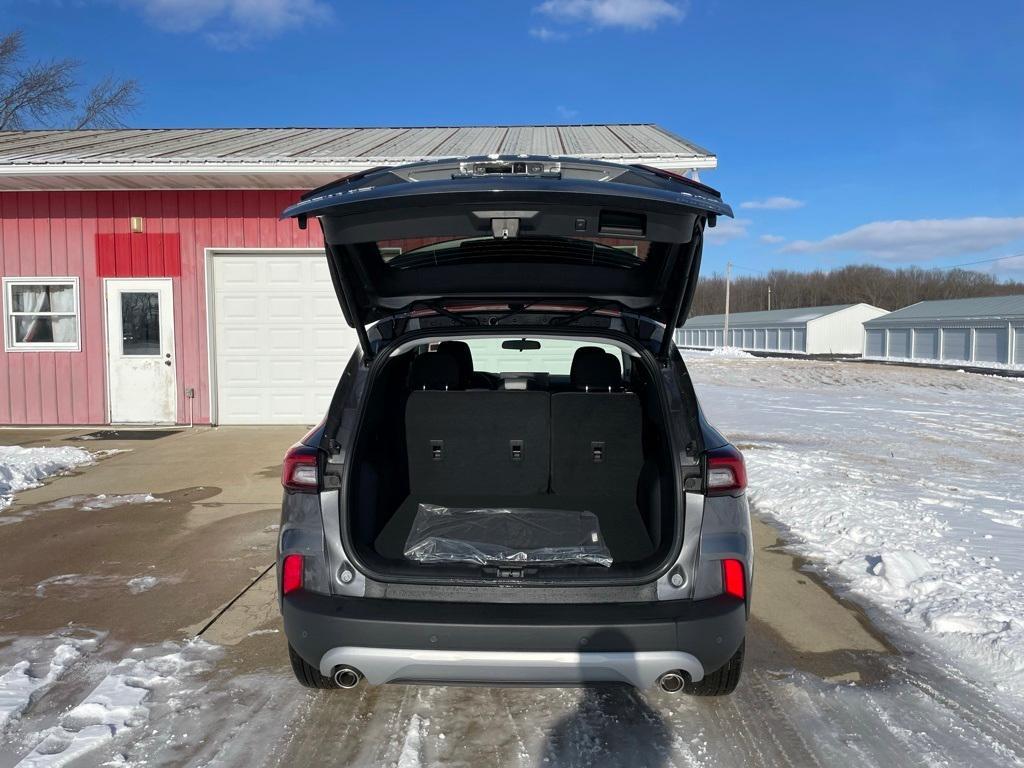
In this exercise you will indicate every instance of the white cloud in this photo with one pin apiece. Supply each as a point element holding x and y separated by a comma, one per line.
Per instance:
<point>629,14</point>
<point>567,113</point>
<point>772,239</point>
<point>727,229</point>
<point>918,240</point>
<point>233,23</point>
<point>777,203</point>
<point>547,34</point>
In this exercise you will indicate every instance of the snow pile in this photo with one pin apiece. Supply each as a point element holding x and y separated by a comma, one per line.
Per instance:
<point>22,468</point>
<point>117,705</point>
<point>718,352</point>
<point>905,482</point>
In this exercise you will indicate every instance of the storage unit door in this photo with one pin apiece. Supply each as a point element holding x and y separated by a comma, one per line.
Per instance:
<point>786,339</point>
<point>926,343</point>
<point>875,342</point>
<point>990,345</point>
<point>1018,345</point>
<point>719,337</point>
<point>748,339</point>
<point>799,339</point>
<point>772,337</point>
<point>899,343</point>
<point>759,338</point>
<point>956,343</point>
<point>279,339</point>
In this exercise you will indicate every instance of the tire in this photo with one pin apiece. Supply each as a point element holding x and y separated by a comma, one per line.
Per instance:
<point>308,675</point>
<point>722,681</point>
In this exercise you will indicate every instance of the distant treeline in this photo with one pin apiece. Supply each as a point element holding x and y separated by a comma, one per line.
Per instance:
<point>886,288</point>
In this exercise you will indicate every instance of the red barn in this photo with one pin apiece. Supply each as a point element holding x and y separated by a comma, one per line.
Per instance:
<point>148,279</point>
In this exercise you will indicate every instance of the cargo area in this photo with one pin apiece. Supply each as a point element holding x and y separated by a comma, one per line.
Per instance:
<point>580,435</point>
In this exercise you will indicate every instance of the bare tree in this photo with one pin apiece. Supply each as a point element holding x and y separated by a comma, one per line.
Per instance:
<point>886,288</point>
<point>45,94</point>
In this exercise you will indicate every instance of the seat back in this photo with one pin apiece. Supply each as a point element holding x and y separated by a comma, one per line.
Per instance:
<point>596,442</point>
<point>478,442</point>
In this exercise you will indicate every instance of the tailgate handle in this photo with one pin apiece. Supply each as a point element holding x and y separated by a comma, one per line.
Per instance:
<point>437,450</point>
<point>516,449</point>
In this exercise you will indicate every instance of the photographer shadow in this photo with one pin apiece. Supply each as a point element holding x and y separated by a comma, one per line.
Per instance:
<point>612,724</point>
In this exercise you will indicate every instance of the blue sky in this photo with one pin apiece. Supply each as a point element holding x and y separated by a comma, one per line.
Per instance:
<point>888,132</point>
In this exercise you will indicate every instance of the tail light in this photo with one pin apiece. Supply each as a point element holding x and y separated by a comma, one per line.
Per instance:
<point>300,472</point>
<point>291,574</point>
<point>734,581</point>
<point>727,474</point>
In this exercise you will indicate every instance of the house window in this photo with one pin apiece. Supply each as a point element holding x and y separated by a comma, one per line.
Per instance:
<point>41,313</point>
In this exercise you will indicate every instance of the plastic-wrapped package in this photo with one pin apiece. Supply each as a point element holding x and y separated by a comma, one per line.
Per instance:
<point>484,536</point>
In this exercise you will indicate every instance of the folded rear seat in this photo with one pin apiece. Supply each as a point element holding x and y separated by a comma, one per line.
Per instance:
<point>596,445</point>
<point>475,442</point>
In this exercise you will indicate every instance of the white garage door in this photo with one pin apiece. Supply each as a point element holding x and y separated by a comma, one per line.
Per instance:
<point>280,341</point>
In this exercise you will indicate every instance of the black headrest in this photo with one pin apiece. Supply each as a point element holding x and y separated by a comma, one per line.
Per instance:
<point>595,370</point>
<point>434,370</point>
<point>463,358</point>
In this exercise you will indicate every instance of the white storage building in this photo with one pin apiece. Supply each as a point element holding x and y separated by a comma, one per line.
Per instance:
<point>832,330</point>
<point>985,332</point>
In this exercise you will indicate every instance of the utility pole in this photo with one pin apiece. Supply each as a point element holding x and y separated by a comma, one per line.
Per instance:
<point>769,298</point>
<point>728,278</point>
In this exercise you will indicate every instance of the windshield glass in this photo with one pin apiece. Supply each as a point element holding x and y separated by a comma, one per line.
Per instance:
<point>553,357</point>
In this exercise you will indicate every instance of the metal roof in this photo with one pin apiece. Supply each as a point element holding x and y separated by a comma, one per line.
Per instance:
<point>330,152</point>
<point>983,308</point>
<point>775,317</point>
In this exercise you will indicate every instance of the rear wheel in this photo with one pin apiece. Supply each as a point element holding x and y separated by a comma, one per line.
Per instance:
<point>722,681</point>
<point>307,674</point>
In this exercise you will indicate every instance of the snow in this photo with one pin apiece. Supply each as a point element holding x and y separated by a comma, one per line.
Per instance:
<point>116,706</point>
<point>83,503</point>
<point>22,468</point>
<point>720,352</point>
<point>141,584</point>
<point>19,685</point>
<point>903,484</point>
<point>104,501</point>
<point>964,363</point>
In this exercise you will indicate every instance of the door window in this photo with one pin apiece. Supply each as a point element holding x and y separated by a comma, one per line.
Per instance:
<point>140,323</point>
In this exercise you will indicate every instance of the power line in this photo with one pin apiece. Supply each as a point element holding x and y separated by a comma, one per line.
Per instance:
<point>982,261</point>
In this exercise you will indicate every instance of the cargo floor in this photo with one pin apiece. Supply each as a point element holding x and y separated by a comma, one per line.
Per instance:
<point>622,526</point>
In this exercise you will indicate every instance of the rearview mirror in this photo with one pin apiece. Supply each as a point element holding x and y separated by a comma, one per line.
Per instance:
<point>521,344</point>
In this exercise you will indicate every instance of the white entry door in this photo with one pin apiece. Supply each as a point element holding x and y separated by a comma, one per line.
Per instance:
<point>140,351</point>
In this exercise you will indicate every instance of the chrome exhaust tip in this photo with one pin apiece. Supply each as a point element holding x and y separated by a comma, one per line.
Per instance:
<point>671,682</point>
<point>346,677</point>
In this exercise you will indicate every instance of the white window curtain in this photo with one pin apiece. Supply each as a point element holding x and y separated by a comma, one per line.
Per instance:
<point>43,313</point>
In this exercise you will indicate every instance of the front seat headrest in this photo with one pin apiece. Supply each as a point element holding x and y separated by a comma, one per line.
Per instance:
<point>595,370</point>
<point>460,351</point>
<point>434,370</point>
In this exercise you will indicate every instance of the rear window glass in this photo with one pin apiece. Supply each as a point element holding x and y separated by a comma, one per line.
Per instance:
<point>438,251</point>
<point>553,357</point>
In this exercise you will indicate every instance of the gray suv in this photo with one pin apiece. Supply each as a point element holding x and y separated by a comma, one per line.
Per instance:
<point>514,483</point>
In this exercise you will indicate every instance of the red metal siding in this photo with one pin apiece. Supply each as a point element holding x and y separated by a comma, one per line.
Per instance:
<point>88,235</point>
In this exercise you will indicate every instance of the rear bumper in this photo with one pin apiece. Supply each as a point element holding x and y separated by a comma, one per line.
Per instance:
<point>412,641</point>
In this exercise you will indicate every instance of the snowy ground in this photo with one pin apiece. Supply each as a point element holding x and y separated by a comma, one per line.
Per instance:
<point>905,484</point>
